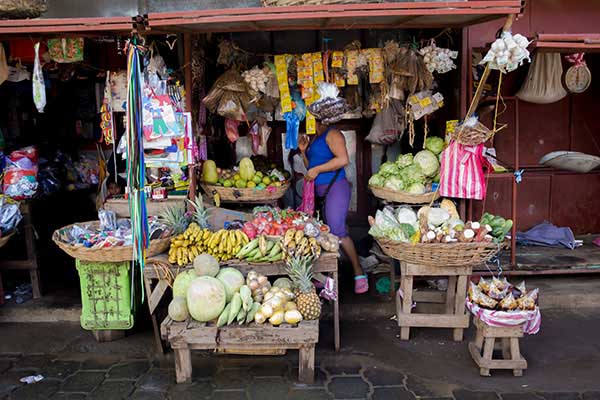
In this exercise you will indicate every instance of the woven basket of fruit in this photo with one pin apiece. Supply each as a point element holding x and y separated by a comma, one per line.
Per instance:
<point>243,184</point>
<point>247,194</point>
<point>398,196</point>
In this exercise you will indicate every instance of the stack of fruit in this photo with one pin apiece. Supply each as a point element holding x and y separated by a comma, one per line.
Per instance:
<point>261,249</point>
<point>193,238</point>
<point>274,221</point>
<point>295,242</point>
<point>242,177</point>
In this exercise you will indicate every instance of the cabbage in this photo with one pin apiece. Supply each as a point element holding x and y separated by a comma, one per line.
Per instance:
<point>412,174</point>
<point>436,179</point>
<point>416,188</point>
<point>404,160</point>
<point>377,180</point>
<point>428,162</point>
<point>206,298</point>
<point>388,168</point>
<point>232,280</point>
<point>406,215</point>
<point>182,283</point>
<point>437,216</point>
<point>178,310</point>
<point>435,144</point>
<point>394,183</point>
<point>205,264</point>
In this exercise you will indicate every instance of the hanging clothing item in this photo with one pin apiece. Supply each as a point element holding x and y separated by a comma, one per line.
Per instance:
<point>461,171</point>
<point>66,50</point>
<point>39,88</point>
<point>543,84</point>
<point>3,65</point>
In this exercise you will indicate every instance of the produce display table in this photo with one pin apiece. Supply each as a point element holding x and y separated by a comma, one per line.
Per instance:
<point>486,339</point>
<point>156,284</point>
<point>192,335</point>
<point>455,315</point>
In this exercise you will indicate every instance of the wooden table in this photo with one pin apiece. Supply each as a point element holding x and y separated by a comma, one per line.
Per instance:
<point>156,285</point>
<point>455,315</point>
<point>192,335</point>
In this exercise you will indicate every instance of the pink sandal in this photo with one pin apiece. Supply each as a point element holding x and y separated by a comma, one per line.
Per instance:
<point>361,284</point>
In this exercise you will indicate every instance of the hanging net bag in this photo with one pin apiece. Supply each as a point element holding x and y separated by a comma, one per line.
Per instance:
<point>543,84</point>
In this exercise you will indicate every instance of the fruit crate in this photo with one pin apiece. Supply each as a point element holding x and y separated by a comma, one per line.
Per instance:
<point>105,295</point>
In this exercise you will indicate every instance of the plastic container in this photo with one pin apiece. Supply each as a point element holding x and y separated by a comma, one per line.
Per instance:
<point>105,295</point>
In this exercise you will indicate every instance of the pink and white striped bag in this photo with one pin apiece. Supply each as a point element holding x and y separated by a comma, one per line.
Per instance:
<point>461,171</point>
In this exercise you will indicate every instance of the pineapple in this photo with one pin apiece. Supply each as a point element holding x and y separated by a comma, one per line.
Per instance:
<point>200,215</point>
<point>299,269</point>
<point>175,217</point>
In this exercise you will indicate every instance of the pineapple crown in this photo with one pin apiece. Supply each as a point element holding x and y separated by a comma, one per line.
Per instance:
<point>300,271</point>
<point>200,214</point>
<point>176,218</point>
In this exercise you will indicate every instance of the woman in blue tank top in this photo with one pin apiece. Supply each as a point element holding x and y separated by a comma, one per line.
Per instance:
<point>325,160</point>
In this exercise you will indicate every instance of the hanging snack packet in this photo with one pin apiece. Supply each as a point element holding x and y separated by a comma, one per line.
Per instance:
<point>281,68</point>
<point>508,303</point>
<point>351,61</point>
<point>496,290</point>
<point>528,301</point>
<point>484,284</point>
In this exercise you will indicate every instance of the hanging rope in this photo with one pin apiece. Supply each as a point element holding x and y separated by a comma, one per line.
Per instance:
<point>135,162</point>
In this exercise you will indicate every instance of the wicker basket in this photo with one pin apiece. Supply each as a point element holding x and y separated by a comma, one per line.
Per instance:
<point>403,197</point>
<point>286,3</point>
<point>249,195</point>
<point>5,239</point>
<point>440,254</point>
<point>108,254</point>
<point>18,9</point>
<point>473,135</point>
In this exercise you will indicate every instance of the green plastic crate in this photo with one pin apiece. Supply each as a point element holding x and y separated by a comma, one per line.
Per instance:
<point>105,295</point>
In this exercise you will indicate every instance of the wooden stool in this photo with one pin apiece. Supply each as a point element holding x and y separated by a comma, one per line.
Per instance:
<point>486,339</point>
<point>454,316</point>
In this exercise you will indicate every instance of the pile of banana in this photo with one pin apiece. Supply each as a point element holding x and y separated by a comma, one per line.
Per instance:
<point>295,243</point>
<point>261,249</point>
<point>223,244</point>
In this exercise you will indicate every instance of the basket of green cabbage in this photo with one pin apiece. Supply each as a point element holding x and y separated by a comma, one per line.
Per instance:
<point>409,179</point>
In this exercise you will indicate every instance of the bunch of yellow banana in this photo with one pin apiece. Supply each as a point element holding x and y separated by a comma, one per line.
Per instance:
<point>224,244</point>
<point>186,246</point>
<point>296,243</point>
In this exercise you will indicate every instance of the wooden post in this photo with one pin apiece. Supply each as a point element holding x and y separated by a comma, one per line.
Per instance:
<point>488,351</point>
<point>183,365</point>
<point>407,291</point>
<point>187,62</point>
<point>459,301</point>
<point>306,364</point>
<point>451,295</point>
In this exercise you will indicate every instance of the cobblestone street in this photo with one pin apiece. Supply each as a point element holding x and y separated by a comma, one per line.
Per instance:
<point>373,364</point>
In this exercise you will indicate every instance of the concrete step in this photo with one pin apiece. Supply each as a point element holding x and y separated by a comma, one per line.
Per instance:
<point>567,293</point>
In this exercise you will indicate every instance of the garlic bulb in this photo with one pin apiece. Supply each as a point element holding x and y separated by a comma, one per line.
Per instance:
<point>256,79</point>
<point>507,53</point>
<point>438,59</point>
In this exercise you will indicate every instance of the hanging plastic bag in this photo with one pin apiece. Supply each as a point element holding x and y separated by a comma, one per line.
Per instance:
<point>308,197</point>
<point>543,84</point>
<point>231,130</point>
<point>265,132</point>
<point>461,171</point>
<point>3,65</point>
<point>292,128</point>
<point>254,134</point>
<point>39,88</point>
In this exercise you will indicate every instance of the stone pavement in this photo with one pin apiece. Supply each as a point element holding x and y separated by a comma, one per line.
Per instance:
<point>373,364</point>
